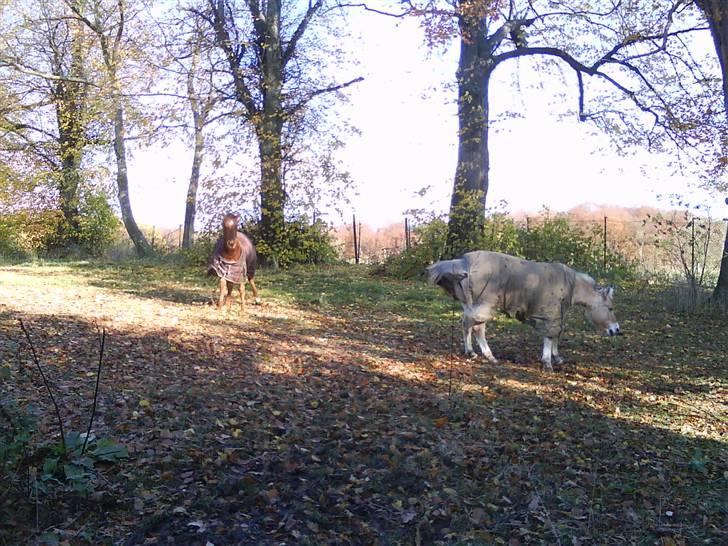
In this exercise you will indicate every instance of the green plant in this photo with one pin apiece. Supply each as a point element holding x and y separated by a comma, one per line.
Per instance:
<point>552,238</point>
<point>430,242</point>
<point>25,233</point>
<point>34,471</point>
<point>97,224</point>
<point>302,242</point>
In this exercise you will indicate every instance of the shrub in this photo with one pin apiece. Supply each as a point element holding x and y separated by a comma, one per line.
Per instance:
<point>302,243</point>
<point>25,233</point>
<point>430,240</point>
<point>97,224</point>
<point>199,253</point>
<point>552,239</point>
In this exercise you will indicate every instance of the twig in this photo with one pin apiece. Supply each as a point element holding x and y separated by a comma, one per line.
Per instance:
<point>545,510</point>
<point>96,391</point>
<point>45,382</point>
<point>452,348</point>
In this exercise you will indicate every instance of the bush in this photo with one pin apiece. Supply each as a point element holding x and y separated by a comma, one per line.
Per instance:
<point>199,253</point>
<point>97,224</point>
<point>25,234</point>
<point>552,239</point>
<point>431,239</point>
<point>302,243</point>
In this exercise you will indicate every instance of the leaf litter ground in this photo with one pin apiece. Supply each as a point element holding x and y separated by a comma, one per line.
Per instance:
<point>338,412</point>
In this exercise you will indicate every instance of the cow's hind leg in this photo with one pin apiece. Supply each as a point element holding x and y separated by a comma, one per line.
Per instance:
<point>479,330</point>
<point>546,354</point>
<point>556,359</point>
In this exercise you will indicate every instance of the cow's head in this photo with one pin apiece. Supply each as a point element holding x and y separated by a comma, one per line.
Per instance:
<point>448,274</point>
<point>599,311</point>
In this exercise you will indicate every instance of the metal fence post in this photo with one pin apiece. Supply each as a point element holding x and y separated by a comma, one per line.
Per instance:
<point>604,253</point>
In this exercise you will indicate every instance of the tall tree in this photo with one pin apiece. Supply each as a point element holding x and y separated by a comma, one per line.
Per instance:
<point>261,41</point>
<point>107,20</point>
<point>47,56</point>
<point>613,50</point>
<point>716,13</point>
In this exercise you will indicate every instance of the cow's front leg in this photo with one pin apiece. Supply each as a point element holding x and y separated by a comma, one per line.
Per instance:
<point>479,330</point>
<point>546,354</point>
<point>556,359</point>
<point>467,336</point>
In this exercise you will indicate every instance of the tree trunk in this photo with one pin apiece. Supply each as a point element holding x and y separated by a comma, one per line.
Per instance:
<point>71,118</point>
<point>467,205</point>
<point>270,135</point>
<point>191,203</point>
<point>142,246</point>
<point>716,12</point>
<point>69,192</point>
<point>272,195</point>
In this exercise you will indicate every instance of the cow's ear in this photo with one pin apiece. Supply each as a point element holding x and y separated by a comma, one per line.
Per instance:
<point>607,291</point>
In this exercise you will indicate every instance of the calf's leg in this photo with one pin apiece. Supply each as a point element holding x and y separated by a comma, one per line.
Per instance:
<point>241,289</point>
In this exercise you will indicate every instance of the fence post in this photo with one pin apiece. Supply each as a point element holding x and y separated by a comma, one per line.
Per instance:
<point>604,254</point>
<point>153,230</point>
<point>692,251</point>
<point>356,246</point>
<point>358,250</point>
<point>406,233</point>
<point>179,237</point>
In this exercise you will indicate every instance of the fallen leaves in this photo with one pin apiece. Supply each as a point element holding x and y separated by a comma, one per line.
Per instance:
<point>353,424</point>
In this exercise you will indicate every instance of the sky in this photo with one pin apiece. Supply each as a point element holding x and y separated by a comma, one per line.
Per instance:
<point>406,113</point>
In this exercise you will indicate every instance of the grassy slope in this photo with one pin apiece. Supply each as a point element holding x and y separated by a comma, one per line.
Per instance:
<point>338,413</point>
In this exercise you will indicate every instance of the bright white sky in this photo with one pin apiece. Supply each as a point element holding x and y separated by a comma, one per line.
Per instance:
<point>408,121</point>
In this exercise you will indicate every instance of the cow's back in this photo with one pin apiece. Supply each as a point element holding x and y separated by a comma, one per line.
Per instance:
<point>535,292</point>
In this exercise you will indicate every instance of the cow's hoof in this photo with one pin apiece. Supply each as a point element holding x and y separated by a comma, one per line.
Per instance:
<point>492,359</point>
<point>470,354</point>
<point>257,301</point>
<point>558,360</point>
<point>547,367</point>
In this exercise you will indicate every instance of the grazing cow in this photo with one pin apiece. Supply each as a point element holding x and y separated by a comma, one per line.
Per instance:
<point>533,292</point>
<point>234,261</point>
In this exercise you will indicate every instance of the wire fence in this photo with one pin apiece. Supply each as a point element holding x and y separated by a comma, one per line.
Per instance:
<point>670,244</point>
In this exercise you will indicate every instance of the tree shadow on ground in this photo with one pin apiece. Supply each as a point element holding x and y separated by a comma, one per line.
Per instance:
<point>277,430</point>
